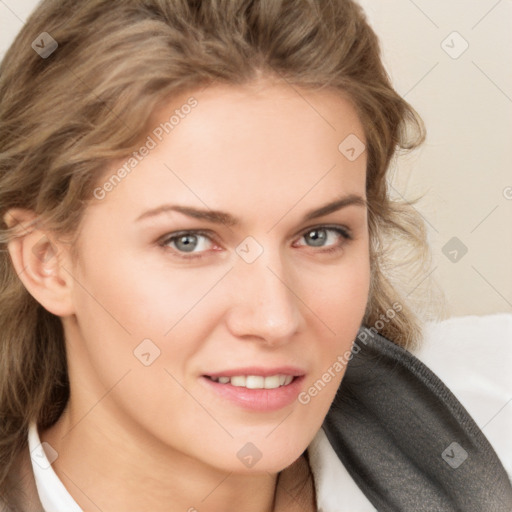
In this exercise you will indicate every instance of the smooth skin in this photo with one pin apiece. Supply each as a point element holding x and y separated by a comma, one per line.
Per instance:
<point>136,437</point>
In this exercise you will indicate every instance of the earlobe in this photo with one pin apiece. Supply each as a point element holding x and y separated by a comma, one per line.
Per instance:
<point>38,259</point>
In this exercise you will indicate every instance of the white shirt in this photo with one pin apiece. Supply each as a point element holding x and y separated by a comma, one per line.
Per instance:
<point>471,355</point>
<point>52,493</point>
<point>335,488</point>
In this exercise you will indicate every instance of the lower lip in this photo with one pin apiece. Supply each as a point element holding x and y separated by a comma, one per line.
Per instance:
<point>262,400</point>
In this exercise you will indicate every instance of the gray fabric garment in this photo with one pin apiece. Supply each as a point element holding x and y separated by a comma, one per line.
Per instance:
<point>407,441</point>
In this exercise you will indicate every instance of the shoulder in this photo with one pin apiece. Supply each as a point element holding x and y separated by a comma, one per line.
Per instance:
<point>406,439</point>
<point>472,355</point>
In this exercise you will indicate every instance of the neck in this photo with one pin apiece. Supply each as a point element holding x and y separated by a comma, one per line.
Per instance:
<point>115,470</point>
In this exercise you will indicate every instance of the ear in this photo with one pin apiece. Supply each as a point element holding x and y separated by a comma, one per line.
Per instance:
<point>40,260</point>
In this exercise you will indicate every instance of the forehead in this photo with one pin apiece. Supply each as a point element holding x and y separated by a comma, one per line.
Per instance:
<point>262,144</point>
<point>276,116</point>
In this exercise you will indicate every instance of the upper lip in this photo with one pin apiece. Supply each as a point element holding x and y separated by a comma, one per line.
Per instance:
<point>259,370</point>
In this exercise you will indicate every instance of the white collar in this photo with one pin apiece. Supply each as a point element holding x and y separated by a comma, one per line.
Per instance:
<point>52,493</point>
<point>335,488</point>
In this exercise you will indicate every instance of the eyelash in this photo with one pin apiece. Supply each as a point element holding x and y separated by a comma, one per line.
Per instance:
<point>164,241</point>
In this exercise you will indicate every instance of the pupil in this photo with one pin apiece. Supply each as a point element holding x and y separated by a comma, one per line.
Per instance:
<point>317,236</point>
<point>184,243</point>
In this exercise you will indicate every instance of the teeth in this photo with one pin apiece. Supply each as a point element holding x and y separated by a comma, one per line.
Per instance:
<point>238,381</point>
<point>256,381</point>
<point>272,382</point>
<point>253,382</point>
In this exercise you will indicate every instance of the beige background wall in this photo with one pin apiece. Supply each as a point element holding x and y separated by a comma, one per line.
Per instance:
<point>464,170</point>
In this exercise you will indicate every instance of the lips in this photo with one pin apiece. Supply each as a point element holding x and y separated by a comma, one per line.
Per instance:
<point>257,388</point>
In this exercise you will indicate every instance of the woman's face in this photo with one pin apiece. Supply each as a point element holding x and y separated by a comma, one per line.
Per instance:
<point>172,298</point>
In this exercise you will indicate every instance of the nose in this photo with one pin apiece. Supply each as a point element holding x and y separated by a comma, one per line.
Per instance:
<point>263,305</point>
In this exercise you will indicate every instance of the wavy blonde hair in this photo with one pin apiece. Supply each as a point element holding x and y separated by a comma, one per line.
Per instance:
<point>65,118</point>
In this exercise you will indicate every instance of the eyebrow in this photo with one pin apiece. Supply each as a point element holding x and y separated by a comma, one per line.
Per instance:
<point>219,217</point>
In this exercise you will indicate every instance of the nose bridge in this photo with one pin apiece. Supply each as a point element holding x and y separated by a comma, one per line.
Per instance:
<point>263,304</point>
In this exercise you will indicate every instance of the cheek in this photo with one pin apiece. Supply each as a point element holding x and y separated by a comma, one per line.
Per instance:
<point>127,309</point>
<point>340,294</point>
<point>136,294</point>
<point>124,310</point>
<point>339,308</point>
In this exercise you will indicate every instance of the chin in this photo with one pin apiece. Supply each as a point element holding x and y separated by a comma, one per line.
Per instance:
<point>262,454</point>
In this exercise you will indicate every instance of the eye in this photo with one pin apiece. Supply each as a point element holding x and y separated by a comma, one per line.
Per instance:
<point>195,244</point>
<point>332,237</point>
<point>188,243</point>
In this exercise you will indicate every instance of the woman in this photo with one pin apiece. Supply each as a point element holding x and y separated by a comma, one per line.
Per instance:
<point>194,209</point>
